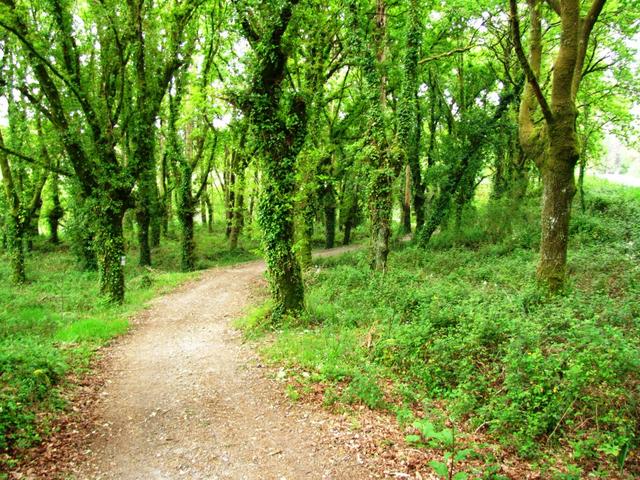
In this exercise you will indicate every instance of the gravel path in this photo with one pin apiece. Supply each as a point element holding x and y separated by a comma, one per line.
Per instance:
<point>186,399</point>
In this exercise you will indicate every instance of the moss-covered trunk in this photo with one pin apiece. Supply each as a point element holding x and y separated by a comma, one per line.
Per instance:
<point>109,244</point>
<point>146,199</point>
<point>329,199</point>
<point>558,192</point>
<point>15,220</point>
<point>275,217</point>
<point>15,247</point>
<point>306,233</point>
<point>56,212</point>
<point>406,202</point>
<point>237,219</point>
<point>185,217</point>
<point>558,161</point>
<point>278,144</point>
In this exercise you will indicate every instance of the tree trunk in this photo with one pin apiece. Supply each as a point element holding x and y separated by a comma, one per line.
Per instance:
<point>56,213</point>
<point>581,173</point>
<point>329,199</point>
<point>380,214</point>
<point>558,192</point>
<point>203,209</point>
<point>157,216</point>
<point>144,210</point>
<point>558,161</point>
<point>237,218</point>
<point>144,222</point>
<point>308,220</point>
<point>110,248</point>
<point>15,247</point>
<point>229,202</point>
<point>209,206</point>
<point>15,220</point>
<point>406,201</point>
<point>185,217</point>
<point>350,220</point>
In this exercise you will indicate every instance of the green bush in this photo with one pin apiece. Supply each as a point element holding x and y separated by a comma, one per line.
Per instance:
<point>28,371</point>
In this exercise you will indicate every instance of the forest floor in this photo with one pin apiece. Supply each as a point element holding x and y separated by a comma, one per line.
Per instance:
<point>181,396</point>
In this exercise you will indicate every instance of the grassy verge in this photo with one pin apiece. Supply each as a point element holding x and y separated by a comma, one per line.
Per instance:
<point>461,332</point>
<point>51,326</point>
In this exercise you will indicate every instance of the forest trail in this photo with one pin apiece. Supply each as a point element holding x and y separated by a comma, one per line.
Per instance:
<point>186,399</point>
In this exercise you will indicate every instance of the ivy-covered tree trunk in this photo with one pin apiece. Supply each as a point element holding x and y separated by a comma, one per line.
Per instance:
<point>14,226</point>
<point>109,244</point>
<point>275,217</point>
<point>237,220</point>
<point>278,145</point>
<point>15,246</point>
<point>143,216</point>
<point>185,217</point>
<point>410,122</point>
<point>380,205</point>
<point>406,202</point>
<point>157,216</point>
<point>56,213</point>
<point>19,216</point>
<point>381,171</point>
<point>308,217</point>
<point>329,200</point>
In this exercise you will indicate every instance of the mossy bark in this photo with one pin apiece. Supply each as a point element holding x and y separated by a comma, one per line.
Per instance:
<point>56,213</point>
<point>275,216</point>
<point>558,160</point>
<point>237,219</point>
<point>329,200</point>
<point>209,206</point>
<point>186,212</point>
<point>15,246</point>
<point>109,244</point>
<point>380,205</point>
<point>306,233</point>
<point>406,202</point>
<point>278,144</point>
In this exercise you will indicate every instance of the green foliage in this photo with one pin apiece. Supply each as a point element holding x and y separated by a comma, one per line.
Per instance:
<point>469,328</point>
<point>445,439</point>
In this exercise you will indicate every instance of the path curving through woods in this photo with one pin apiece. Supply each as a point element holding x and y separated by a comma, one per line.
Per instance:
<point>186,399</point>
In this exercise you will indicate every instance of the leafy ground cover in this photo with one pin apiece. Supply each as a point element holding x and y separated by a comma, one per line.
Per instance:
<point>460,337</point>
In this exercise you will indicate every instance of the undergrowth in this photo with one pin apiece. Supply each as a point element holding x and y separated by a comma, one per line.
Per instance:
<point>462,328</point>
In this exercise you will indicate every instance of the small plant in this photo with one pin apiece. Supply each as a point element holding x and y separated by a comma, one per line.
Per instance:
<point>445,439</point>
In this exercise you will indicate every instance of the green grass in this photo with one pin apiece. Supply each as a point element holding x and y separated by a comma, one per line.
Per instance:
<point>52,325</point>
<point>462,331</point>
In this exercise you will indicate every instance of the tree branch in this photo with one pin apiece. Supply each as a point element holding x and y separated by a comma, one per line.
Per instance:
<point>531,77</point>
<point>555,5</point>
<point>446,54</point>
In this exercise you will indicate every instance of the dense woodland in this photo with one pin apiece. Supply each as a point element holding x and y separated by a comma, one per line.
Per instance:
<point>497,286</point>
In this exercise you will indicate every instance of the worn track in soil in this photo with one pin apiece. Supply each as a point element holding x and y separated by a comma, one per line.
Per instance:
<point>187,399</point>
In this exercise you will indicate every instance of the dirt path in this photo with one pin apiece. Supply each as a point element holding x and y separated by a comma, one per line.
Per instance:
<point>186,399</point>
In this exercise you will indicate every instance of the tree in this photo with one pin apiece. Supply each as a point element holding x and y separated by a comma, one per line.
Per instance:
<point>279,122</point>
<point>554,145</point>
<point>84,83</point>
